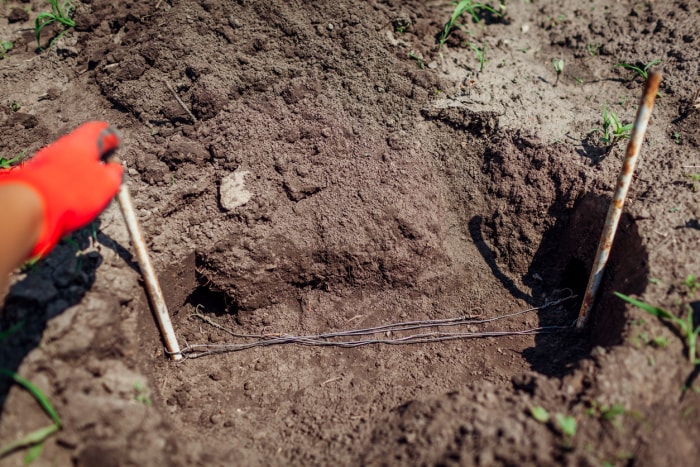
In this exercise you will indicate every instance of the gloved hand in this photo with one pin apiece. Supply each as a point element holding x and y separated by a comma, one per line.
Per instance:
<point>74,185</point>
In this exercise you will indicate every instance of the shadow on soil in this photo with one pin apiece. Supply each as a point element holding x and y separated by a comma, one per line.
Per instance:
<point>50,287</point>
<point>562,262</point>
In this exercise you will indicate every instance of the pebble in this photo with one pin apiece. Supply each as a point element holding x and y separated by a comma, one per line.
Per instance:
<point>232,192</point>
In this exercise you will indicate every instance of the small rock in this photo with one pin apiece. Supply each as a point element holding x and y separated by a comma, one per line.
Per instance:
<point>525,28</point>
<point>330,26</point>
<point>232,192</point>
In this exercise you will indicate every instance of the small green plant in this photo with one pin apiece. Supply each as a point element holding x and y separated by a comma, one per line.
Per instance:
<point>58,14</point>
<point>464,6</point>
<point>564,424</point>
<point>558,65</point>
<point>7,163</point>
<point>34,440</point>
<point>539,413</point>
<point>415,57</point>
<point>692,283</point>
<point>677,138</point>
<point>401,25</point>
<point>141,395</point>
<point>5,47</point>
<point>612,413</point>
<point>686,327</point>
<point>660,342</point>
<point>593,49</point>
<point>641,70</point>
<point>15,106</point>
<point>480,54</point>
<point>613,131</point>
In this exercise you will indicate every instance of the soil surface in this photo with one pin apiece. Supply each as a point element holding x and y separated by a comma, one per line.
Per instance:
<point>306,168</point>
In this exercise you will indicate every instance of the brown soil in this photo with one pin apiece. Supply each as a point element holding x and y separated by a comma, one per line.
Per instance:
<point>383,189</point>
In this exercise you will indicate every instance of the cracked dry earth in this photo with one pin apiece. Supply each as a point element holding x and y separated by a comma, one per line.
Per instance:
<point>329,168</point>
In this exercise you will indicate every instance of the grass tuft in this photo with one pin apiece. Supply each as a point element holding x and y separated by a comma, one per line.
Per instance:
<point>464,6</point>
<point>686,327</point>
<point>7,163</point>
<point>613,131</point>
<point>641,69</point>
<point>58,14</point>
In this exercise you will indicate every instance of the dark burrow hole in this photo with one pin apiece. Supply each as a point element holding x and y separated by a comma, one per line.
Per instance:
<point>183,286</point>
<point>563,261</point>
<point>211,301</point>
<point>575,278</point>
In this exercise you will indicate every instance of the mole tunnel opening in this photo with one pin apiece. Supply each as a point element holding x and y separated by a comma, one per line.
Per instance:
<point>575,278</point>
<point>211,301</point>
<point>184,286</point>
<point>564,260</point>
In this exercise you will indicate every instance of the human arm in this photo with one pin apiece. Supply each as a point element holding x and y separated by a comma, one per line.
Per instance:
<point>62,188</point>
<point>20,218</point>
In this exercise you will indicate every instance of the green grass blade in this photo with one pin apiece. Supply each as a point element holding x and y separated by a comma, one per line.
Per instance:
<point>33,453</point>
<point>654,311</point>
<point>41,21</point>
<point>627,127</point>
<point>35,437</point>
<point>13,329</point>
<point>651,64</point>
<point>36,392</point>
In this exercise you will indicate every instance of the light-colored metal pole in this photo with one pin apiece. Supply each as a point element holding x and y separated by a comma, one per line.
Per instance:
<point>149,275</point>
<point>651,87</point>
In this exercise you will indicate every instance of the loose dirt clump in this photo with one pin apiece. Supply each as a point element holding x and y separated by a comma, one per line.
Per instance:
<point>312,168</point>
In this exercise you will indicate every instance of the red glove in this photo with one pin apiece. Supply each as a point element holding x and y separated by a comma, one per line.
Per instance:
<point>73,184</point>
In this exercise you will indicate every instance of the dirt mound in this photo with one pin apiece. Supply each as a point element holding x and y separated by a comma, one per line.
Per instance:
<point>315,167</point>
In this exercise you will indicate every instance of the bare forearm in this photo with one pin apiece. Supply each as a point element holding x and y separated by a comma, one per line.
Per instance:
<point>20,223</point>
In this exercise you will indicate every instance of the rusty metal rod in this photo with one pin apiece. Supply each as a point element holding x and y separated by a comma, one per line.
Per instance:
<point>651,87</point>
<point>149,275</point>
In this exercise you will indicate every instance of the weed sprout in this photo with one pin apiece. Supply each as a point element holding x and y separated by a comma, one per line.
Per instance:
<point>558,65</point>
<point>58,14</point>
<point>5,46</point>
<point>480,54</point>
<point>464,6</point>
<point>642,70</point>
<point>613,130</point>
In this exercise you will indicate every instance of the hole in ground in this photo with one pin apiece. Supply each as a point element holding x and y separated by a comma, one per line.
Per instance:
<point>563,261</point>
<point>211,301</point>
